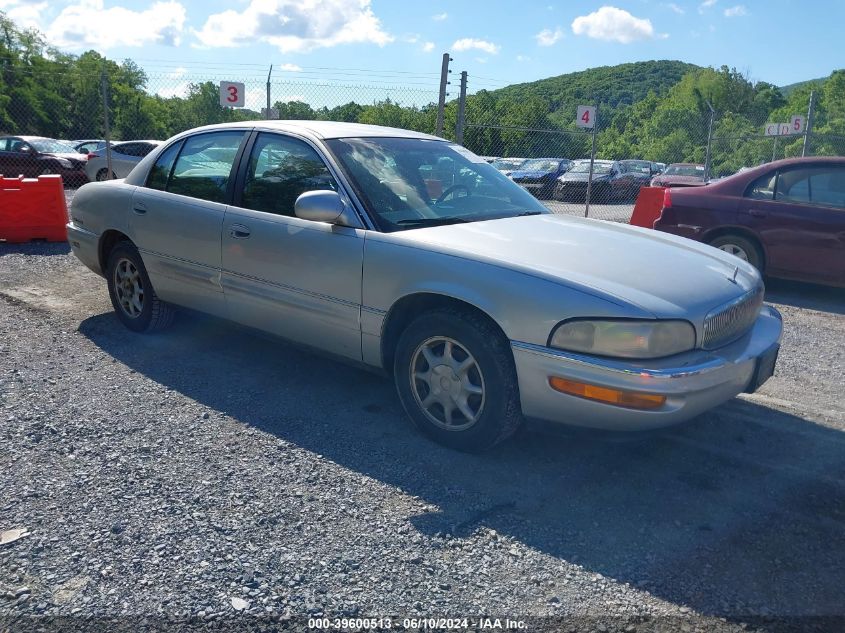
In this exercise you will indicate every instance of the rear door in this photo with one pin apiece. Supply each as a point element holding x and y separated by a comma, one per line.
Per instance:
<point>176,218</point>
<point>799,214</point>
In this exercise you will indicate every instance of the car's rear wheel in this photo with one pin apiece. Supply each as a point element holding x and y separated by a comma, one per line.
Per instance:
<point>132,295</point>
<point>103,174</point>
<point>455,376</point>
<point>741,247</point>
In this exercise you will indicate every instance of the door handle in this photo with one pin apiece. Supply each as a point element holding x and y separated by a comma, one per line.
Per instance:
<point>139,209</point>
<point>757,213</point>
<point>239,231</point>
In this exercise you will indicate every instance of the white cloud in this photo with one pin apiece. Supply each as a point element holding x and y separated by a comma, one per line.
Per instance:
<point>89,24</point>
<point>737,11</point>
<point>25,13</point>
<point>469,43</point>
<point>428,47</point>
<point>523,58</point>
<point>439,17</point>
<point>674,7</point>
<point>547,37</point>
<point>291,68</point>
<point>614,25</point>
<point>179,89</point>
<point>176,73</point>
<point>295,25</point>
<point>706,5</point>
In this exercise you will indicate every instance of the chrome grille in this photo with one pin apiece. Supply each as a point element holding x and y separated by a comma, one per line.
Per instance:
<point>730,321</point>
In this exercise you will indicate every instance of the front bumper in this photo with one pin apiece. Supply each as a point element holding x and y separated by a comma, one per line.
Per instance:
<point>693,382</point>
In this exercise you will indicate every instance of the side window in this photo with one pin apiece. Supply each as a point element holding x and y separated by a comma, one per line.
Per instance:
<point>763,188</point>
<point>4,144</point>
<point>280,170</point>
<point>124,150</point>
<point>794,185</point>
<point>160,173</point>
<point>827,187</point>
<point>144,149</point>
<point>204,165</point>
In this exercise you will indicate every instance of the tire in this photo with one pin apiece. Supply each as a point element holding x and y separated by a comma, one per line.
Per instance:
<point>103,175</point>
<point>488,366</point>
<point>741,247</point>
<point>135,302</point>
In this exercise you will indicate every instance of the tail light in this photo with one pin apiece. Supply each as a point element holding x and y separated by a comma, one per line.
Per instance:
<point>92,155</point>
<point>667,198</point>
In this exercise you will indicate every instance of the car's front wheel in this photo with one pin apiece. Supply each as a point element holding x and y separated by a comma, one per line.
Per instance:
<point>455,376</point>
<point>103,175</point>
<point>132,295</point>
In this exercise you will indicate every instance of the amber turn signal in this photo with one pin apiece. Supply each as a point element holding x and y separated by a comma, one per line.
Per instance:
<point>629,399</point>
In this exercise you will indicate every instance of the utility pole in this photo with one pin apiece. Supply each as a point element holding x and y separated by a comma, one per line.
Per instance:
<point>709,142</point>
<point>462,102</point>
<point>267,114</point>
<point>811,110</point>
<point>592,164</point>
<point>104,85</point>
<point>441,104</point>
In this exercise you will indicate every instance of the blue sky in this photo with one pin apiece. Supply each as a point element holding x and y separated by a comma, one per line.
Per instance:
<point>497,41</point>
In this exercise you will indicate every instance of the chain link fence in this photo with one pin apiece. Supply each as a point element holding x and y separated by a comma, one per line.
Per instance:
<point>550,155</point>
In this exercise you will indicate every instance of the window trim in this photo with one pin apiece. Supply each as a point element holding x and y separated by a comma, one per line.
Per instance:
<point>746,195</point>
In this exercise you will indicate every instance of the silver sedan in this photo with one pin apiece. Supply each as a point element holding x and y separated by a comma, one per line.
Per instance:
<point>408,253</point>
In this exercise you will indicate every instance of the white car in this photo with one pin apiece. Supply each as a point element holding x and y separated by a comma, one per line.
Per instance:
<point>124,157</point>
<point>410,254</point>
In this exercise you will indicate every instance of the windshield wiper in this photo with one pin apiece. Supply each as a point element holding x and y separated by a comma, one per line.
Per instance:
<point>524,213</point>
<point>432,221</point>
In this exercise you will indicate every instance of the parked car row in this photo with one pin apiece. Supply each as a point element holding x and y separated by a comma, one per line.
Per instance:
<point>77,162</point>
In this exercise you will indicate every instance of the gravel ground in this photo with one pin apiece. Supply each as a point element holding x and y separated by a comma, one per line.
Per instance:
<point>213,476</point>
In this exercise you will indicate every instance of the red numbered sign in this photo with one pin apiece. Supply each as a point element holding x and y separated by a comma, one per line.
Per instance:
<point>231,94</point>
<point>586,116</point>
<point>796,124</point>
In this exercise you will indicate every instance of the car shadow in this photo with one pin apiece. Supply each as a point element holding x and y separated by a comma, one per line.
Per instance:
<point>741,510</point>
<point>35,247</point>
<point>805,295</point>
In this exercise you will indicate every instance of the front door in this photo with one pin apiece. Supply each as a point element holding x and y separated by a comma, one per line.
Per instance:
<point>292,277</point>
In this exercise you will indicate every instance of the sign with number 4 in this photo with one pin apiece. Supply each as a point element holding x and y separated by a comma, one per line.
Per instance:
<point>231,94</point>
<point>586,116</point>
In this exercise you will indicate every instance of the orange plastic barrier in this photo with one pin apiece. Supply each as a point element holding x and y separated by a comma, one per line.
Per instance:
<point>648,206</point>
<point>33,209</point>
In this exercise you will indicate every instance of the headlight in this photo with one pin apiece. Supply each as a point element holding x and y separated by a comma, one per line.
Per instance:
<point>64,162</point>
<point>624,339</point>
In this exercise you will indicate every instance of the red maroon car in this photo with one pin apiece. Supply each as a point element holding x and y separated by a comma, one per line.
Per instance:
<point>787,218</point>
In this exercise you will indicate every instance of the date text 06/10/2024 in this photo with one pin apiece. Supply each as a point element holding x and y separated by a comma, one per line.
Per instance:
<point>414,624</point>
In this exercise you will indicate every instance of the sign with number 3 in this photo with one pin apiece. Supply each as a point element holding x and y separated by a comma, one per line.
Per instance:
<point>231,94</point>
<point>586,116</point>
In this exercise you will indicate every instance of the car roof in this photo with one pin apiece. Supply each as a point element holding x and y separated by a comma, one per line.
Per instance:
<point>321,129</point>
<point>153,142</point>
<point>736,184</point>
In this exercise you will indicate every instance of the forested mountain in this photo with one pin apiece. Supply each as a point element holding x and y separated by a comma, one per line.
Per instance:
<point>656,110</point>
<point>610,86</point>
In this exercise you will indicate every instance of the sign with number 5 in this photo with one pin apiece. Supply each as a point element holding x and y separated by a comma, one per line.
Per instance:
<point>231,94</point>
<point>796,124</point>
<point>586,116</point>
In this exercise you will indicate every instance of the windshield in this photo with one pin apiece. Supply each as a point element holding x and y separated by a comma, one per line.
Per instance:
<point>507,163</point>
<point>584,168</point>
<point>539,164</point>
<point>410,182</point>
<point>49,146</point>
<point>685,170</point>
<point>637,166</point>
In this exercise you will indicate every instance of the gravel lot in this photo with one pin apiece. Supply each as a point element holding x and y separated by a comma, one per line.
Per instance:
<point>213,475</point>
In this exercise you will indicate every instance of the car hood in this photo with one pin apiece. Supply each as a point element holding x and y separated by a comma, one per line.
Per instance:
<point>662,274</point>
<point>529,174</point>
<point>81,158</point>
<point>680,180</point>
<point>582,177</point>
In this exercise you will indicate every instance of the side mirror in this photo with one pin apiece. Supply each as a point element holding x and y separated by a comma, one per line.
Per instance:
<point>324,206</point>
